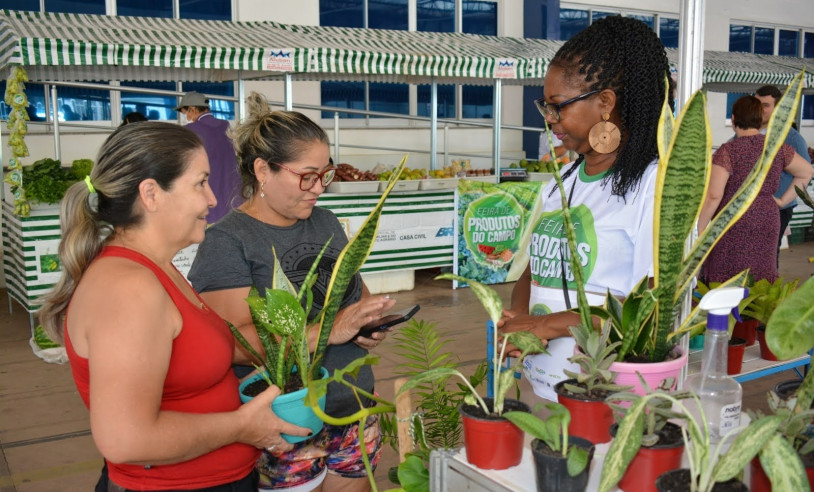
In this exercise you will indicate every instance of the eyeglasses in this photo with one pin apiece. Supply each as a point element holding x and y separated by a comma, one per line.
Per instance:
<point>552,110</point>
<point>308,180</point>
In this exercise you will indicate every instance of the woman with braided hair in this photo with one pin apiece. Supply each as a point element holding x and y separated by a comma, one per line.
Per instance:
<point>604,91</point>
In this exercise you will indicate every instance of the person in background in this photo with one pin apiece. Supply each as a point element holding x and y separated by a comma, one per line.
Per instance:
<point>284,161</point>
<point>751,241</point>
<point>133,117</point>
<point>151,361</point>
<point>769,95</point>
<point>604,91</point>
<point>225,177</point>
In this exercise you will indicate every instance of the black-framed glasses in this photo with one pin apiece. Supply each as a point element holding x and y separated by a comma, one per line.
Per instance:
<point>552,110</point>
<point>308,180</point>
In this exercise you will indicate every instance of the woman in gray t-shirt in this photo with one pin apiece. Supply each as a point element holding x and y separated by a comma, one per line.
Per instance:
<point>284,162</point>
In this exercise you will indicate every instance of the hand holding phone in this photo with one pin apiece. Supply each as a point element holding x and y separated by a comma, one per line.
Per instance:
<point>388,320</point>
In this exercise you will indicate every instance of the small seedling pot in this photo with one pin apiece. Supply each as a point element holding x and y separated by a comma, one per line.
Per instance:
<point>591,418</point>
<point>734,356</point>
<point>551,468</point>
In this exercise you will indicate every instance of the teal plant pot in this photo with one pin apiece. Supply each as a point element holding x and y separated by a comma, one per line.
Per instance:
<point>697,342</point>
<point>291,408</point>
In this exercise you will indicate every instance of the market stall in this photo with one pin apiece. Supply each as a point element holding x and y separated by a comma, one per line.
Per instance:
<point>55,47</point>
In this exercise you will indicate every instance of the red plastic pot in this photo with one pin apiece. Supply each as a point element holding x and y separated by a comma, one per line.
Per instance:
<point>491,442</point>
<point>734,356</point>
<point>591,419</point>
<point>759,481</point>
<point>651,462</point>
<point>765,352</point>
<point>746,329</point>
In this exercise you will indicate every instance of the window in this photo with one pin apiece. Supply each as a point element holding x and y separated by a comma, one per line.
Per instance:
<point>761,40</point>
<point>154,107</point>
<point>21,5</point>
<point>477,17</point>
<point>668,32</point>
<point>75,6</point>
<point>446,100</point>
<point>144,8</point>
<point>573,21</point>
<point>788,43</point>
<point>205,9</point>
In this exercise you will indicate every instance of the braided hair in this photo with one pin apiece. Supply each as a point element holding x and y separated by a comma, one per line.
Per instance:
<point>625,55</point>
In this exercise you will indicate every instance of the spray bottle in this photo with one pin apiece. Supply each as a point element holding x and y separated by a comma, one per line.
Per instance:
<point>720,395</point>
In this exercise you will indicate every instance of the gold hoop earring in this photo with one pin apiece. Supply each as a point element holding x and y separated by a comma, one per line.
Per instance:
<point>605,136</point>
<point>262,185</point>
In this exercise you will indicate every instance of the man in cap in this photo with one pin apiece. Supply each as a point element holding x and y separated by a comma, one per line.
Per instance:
<point>224,177</point>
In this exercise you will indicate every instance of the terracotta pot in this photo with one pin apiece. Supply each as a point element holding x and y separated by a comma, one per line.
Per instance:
<point>551,469</point>
<point>591,418</point>
<point>651,462</point>
<point>679,481</point>
<point>734,356</point>
<point>291,408</point>
<point>759,481</point>
<point>492,442</point>
<point>765,352</point>
<point>746,329</point>
<point>652,372</point>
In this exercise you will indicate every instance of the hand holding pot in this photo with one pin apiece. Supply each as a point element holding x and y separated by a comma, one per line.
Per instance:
<point>262,427</point>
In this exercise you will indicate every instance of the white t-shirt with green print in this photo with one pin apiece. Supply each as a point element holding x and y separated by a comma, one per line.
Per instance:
<point>615,247</point>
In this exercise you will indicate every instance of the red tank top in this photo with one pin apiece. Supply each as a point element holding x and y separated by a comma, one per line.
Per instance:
<point>199,380</point>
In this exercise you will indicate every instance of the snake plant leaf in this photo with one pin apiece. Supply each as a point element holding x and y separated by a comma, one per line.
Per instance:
<point>779,125</point>
<point>696,321</point>
<point>240,338</point>
<point>311,276</point>
<point>745,447</point>
<point>790,330</point>
<point>624,446</point>
<point>783,466</point>
<point>681,179</point>
<point>279,280</point>
<point>487,296</point>
<point>665,128</point>
<point>804,196</point>
<point>351,258</point>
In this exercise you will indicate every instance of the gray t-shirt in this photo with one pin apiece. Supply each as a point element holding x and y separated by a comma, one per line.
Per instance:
<point>236,252</point>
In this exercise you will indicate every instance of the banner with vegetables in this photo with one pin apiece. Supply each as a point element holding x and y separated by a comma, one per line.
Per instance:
<point>491,220</point>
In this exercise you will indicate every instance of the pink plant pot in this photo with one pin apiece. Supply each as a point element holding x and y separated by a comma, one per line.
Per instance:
<point>652,372</point>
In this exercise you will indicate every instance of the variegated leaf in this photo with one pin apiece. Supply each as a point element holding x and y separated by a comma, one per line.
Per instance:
<point>486,295</point>
<point>681,179</point>
<point>748,443</point>
<point>624,446</point>
<point>790,330</point>
<point>783,466</point>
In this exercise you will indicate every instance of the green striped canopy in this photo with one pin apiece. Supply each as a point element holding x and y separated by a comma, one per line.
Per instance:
<point>74,47</point>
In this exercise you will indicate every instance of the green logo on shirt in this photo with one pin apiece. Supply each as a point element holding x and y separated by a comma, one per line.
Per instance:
<point>548,245</point>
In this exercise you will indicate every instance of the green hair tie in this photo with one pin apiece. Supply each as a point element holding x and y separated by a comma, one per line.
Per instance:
<point>91,189</point>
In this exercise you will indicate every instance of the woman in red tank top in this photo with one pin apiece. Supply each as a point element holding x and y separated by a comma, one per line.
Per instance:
<point>150,360</point>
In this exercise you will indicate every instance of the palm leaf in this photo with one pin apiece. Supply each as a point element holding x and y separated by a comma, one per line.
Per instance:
<point>351,258</point>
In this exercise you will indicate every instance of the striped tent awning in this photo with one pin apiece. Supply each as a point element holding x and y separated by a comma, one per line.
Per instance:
<point>74,47</point>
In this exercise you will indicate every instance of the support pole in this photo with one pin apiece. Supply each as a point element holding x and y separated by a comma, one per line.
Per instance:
<point>434,124</point>
<point>404,410</point>
<point>497,110</point>
<point>55,109</point>
<point>289,93</point>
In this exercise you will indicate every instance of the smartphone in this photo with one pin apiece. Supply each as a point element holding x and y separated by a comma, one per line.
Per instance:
<point>389,320</point>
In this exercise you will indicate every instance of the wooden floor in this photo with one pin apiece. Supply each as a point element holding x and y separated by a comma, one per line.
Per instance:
<point>44,431</point>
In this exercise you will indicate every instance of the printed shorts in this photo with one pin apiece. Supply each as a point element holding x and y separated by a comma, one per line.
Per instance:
<point>336,448</point>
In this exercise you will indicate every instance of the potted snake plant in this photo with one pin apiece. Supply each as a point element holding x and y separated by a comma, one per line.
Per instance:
<point>649,317</point>
<point>282,327</point>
